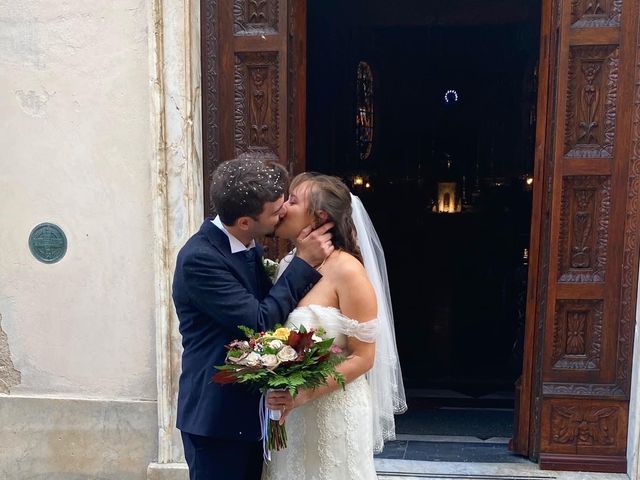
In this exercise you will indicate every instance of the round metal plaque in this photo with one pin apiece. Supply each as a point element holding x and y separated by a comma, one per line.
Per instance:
<point>48,243</point>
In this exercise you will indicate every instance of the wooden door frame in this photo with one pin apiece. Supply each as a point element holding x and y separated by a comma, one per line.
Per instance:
<point>526,412</point>
<point>209,35</point>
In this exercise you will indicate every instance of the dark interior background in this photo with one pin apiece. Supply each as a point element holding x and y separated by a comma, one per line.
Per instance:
<point>458,281</point>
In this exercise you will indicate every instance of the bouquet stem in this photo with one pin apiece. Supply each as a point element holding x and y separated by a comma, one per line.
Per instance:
<point>276,436</point>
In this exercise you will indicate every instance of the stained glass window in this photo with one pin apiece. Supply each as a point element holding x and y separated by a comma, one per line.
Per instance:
<point>364,114</point>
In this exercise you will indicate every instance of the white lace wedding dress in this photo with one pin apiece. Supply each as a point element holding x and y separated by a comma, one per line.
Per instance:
<point>330,437</point>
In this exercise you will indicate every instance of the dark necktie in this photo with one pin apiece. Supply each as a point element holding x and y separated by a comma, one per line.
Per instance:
<point>250,256</point>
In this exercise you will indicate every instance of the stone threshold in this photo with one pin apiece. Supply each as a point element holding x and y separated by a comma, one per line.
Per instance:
<point>450,439</point>
<point>415,469</point>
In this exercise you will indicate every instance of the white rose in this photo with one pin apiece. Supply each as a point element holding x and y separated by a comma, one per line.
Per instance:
<point>287,354</point>
<point>239,360</point>
<point>316,338</point>
<point>269,361</point>
<point>276,344</point>
<point>251,360</point>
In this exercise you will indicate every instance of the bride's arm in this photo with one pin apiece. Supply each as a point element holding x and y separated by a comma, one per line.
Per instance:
<point>357,301</point>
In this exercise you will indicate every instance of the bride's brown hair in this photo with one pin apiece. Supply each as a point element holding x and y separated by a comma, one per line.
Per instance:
<point>330,194</point>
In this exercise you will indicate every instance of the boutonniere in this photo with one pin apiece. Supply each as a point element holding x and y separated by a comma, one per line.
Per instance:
<point>270,267</point>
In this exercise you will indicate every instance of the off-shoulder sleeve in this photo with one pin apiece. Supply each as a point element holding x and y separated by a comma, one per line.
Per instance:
<point>363,331</point>
<point>336,322</point>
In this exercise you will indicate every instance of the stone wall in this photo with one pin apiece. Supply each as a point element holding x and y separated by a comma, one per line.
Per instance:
<point>78,391</point>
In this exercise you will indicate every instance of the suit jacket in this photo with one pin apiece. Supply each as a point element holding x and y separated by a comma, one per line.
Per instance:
<point>213,293</point>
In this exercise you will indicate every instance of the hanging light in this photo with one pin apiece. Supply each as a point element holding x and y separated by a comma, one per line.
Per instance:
<point>451,96</point>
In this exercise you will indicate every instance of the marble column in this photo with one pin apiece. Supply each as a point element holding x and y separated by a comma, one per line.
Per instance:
<point>174,40</point>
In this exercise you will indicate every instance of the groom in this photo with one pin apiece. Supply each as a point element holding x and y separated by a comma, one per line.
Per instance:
<point>219,284</point>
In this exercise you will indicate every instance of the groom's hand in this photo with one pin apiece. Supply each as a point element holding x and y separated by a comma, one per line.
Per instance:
<point>314,246</point>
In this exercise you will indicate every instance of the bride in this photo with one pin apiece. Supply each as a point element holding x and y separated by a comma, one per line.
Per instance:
<point>333,434</point>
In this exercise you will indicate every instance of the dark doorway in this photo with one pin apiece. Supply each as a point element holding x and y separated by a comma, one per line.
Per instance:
<point>454,94</point>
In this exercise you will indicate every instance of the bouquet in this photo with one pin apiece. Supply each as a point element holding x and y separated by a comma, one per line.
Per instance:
<point>289,359</point>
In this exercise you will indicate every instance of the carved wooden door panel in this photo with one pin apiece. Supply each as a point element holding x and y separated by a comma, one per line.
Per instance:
<point>582,297</point>
<point>253,82</point>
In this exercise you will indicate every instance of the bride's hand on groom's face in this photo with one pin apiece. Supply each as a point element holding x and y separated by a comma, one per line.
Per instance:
<point>314,246</point>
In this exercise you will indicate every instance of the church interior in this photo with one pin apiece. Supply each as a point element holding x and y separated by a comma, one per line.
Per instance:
<point>427,110</point>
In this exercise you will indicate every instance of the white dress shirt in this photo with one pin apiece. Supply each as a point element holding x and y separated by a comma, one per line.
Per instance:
<point>235,244</point>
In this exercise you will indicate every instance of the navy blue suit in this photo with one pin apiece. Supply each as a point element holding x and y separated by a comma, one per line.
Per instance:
<point>214,291</point>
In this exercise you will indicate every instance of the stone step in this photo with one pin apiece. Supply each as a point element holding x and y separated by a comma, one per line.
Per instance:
<point>412,469</point>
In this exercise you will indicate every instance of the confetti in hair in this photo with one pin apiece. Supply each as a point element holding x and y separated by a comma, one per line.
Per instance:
<point>241,187</point>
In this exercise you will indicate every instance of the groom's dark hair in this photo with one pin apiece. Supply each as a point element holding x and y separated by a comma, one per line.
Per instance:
<point>241,187</point>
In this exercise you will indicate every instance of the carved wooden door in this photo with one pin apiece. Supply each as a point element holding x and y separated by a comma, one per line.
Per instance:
<point>573,407</point>
<point>253,82</point>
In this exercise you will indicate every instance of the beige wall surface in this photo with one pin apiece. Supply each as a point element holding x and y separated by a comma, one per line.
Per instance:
<point>76,149</point>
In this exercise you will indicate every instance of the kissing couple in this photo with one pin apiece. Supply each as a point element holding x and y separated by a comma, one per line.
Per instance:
<point>334,279</point>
